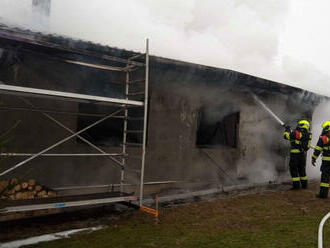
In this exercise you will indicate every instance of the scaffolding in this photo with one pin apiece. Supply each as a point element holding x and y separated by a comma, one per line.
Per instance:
<point>133,99</point>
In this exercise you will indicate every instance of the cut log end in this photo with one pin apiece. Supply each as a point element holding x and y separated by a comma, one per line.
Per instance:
<point>17,187</point>
<point>14,181</point>
<point>38,188</point>
<point>32,182</point>
<point>24,185</point>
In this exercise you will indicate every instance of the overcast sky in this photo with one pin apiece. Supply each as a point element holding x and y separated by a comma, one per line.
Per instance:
<point>282,40</point>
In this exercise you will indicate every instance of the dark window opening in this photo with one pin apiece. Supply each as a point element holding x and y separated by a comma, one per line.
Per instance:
<point>110,131</point>
<point>217,128</point>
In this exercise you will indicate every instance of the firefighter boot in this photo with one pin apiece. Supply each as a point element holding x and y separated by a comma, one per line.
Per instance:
<point>304,183</point>
<point>295,184</point>
<point>323,192</point>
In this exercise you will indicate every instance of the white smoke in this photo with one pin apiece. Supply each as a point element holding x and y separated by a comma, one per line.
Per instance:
<point>260,170</point>
<point>243,35</point>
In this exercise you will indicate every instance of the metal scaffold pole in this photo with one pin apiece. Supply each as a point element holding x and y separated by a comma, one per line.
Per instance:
<point>122,174</point>
<point>145,122</point>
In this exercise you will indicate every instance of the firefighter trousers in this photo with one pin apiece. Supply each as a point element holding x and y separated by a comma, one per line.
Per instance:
<point>325,176</point>
<point>297,167</point>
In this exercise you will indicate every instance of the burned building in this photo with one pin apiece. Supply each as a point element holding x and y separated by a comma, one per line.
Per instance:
<point>204,128</point>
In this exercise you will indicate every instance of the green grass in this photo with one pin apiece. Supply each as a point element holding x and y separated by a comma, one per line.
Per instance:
<point>270,219</point>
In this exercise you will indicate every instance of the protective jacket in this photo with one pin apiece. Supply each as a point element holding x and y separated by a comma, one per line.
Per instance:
<point>300,140</point>
<point>322,146</point>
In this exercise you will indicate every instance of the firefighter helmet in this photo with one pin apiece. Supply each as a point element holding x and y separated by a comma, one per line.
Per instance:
<point>326,126</point>
<point>304,124</point>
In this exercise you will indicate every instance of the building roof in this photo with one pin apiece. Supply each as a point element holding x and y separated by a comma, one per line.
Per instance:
<point>62,47</point>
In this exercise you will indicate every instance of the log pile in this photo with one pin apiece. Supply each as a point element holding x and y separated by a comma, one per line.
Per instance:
<point>15,189</point>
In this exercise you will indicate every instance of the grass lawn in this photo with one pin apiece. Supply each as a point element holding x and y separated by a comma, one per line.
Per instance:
<point>268,219</point>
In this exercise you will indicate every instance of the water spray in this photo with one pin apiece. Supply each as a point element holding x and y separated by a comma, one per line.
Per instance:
<point>267,109</point>
<point>270,112</point>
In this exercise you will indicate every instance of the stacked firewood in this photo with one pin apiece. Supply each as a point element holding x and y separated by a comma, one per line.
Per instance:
<point>15,189</point>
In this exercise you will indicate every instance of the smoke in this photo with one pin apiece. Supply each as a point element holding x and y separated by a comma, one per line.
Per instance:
<point>243,35</point>
<point>262,170</point>
<point>261,159</point>
<point>216,112</point>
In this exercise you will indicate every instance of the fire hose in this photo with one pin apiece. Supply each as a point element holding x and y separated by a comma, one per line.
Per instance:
<point>320,233</point>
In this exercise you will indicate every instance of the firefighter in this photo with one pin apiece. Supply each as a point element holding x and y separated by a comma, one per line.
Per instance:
<point>323,146</point>
<point>300,140</point>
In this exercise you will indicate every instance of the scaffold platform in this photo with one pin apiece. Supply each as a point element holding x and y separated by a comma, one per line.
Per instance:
<point>8,206</point>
